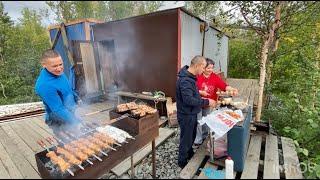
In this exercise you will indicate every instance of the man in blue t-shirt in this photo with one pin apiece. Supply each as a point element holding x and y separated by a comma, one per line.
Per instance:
<point>56,93</point>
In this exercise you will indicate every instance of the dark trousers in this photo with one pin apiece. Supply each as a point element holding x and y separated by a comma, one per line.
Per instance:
<point>188,130</point>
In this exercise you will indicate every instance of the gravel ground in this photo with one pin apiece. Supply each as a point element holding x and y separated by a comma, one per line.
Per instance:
<point>167,159</point>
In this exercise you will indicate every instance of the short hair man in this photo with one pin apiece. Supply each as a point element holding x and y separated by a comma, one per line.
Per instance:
<point>56,93</point>
<point>189,104</point>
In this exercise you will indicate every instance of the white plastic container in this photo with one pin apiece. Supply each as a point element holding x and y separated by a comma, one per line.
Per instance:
<point>229,168</point>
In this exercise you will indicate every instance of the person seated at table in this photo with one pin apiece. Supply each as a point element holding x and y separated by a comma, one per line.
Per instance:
<point>208,84</point>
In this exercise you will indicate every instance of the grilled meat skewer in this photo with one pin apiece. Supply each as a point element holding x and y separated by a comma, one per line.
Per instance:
<point>64,166</point>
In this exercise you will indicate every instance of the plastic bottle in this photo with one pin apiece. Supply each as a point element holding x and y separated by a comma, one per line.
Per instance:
<point>229,168</point>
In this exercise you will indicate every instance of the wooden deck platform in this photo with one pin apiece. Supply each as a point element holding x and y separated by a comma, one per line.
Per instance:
<point>18,142</point>
<point>268,157</point>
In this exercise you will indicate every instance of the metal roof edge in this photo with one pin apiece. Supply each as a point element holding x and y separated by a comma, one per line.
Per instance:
<point>77,21</point>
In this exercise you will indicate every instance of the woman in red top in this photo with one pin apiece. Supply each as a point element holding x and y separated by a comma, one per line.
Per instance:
<point>208,84</point>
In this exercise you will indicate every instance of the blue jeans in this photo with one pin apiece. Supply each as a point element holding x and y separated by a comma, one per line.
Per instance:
<point>202,131</point>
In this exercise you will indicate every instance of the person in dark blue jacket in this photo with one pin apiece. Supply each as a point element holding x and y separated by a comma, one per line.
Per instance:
<point>189,104</point>
<point>56,93</point>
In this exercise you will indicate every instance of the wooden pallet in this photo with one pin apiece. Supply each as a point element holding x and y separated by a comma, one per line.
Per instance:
<point>268,157</point>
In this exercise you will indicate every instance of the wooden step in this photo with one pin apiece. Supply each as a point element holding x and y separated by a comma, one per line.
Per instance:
<point>271,159</point>
<point>251,166</point>
<point>291,161</point>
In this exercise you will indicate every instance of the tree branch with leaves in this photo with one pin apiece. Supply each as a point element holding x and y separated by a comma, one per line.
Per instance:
<point>266,18</point>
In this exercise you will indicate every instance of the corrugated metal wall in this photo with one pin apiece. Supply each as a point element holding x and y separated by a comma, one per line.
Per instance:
<point>146,50</point>
<point>191,38</point>
<point>217,49</point>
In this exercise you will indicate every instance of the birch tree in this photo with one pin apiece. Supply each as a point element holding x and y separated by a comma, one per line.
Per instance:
<point>266,18</point>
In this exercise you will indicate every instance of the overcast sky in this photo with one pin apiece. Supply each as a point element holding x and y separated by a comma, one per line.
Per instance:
<point>14,8</point>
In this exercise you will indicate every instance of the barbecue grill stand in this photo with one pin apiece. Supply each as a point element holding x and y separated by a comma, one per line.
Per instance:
<point>144,131</point>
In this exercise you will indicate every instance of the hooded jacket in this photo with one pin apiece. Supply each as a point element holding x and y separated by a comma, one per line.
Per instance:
<point>189,101</point>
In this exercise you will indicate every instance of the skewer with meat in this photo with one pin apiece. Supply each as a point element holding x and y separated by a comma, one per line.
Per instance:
<point>117,131</point>
<point>114,133</point>
<point>112,137</point>
<point>63,166</point>
<point>70,157</point>
<point>87,143</point>
<point>105,138</point>
<point>99,142</point>
<point>82,156</point>
<point>76,152</point>
<point>55,159</point>
<point>96,147</point>
<point>84,149</point>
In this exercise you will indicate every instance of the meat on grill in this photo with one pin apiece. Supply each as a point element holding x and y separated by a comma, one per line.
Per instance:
<point>147,109</point>
<point>104,138</point>
<point>63,165</point>
<point>99,142</point>
<point>77,152</point>
<point>89,144</point>
<point>88,151</point>
<point>70,157</point>
<point>137,110</point>
<point>127,106</point>
<point>122,108</point>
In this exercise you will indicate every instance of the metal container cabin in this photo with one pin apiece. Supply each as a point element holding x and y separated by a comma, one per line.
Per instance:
<point>150,49</point>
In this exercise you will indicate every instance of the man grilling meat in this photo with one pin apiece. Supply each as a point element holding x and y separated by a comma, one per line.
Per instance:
<point>56,93</point>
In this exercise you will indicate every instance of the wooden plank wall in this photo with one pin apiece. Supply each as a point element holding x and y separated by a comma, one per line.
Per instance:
<point>89,66</point>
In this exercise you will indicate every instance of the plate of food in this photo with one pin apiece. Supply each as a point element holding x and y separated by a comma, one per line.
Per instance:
<point>239,105</point>
<point>235,114</point>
